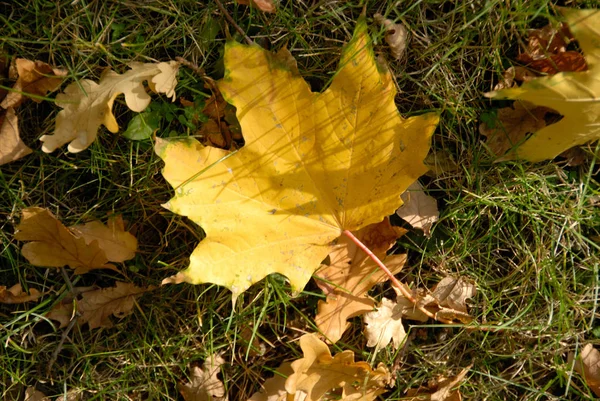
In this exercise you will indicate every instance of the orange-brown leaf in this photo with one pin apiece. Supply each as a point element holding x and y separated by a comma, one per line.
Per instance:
<point>15,295</point>
<point>11,146</point>
<point>588,366</point>
<point>264,5</point>
<point>443,389</point>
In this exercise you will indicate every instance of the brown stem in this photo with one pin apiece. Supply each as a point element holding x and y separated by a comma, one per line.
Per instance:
<point>232,22</point>
<point>397,284</point>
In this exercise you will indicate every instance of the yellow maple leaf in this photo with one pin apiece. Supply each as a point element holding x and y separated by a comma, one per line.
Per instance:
<point>575,95</point>
<point>314,165</point>
<point>87,104</point>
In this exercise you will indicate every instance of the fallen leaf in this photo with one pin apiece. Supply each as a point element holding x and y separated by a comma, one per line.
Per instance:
<point>204,384</point>
<point>36,79</point>
<point>264,5</point>
<point>513,125</point>
<point>314,165</point>
<point>440,162</point>
<point>444,389</point>
<point>87,105</point>
<point>351,274</point>
<point>95,306</point>
<point>572,94</point>
<point>11,146</point>
<point>419,209</point>
<point>274,388</point>
<point>117,244</point>
<point>222,128</point>
<point>396,36</point>
<point>562,62</point>
<point>142,126</point>
<point>514,75</point>
<point>15,295</point>
<point>575,156</point>
<point>31,394</point>
<point>54,245</point>
<point>384,325</point>
<point>318,373</point>
<point>588,366</point>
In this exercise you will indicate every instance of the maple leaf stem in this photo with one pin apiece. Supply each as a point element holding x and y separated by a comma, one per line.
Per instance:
<point>401,287</point>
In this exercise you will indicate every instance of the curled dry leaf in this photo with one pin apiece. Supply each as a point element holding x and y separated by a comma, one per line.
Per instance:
<point>419,209</point>
<point>588,366</point>
<point>31,394</point>
<point>442,389</point>
<point>318,372</point>
<point>204,384</point>
<point>351,274</point>
<point>35,79</point>
<point>514,75</point>
<point>15,295</point>
<point>513,125</point>
<point>11,146</point>
<point>396,36</point>
<point>87,105</point>
<point>95,306</point>
<point>82,248</point>
<point>267,6</point>
<point>311,168</point>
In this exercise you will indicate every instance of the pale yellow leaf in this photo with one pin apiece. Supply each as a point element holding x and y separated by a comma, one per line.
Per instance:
<point>87,105</point>
<point>204,384</point>
<point>419,209</point>
<point>274,388</point>
<point>118,244</point>
<point>11,146</point>
<point>396,36</point>
<point>15,295</point>
<point>384,325</point>
<point>588,366</point>
<point>314,165</point>
<point>31,394</point>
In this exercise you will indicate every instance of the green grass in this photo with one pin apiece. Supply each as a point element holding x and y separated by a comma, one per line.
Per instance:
<point>527,234</point>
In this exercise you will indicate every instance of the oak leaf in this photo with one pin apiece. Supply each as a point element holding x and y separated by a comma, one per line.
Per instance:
<point>97,305</point>
<point>314,165</point>
<point>87,104</point>
<point>419,209</point>
<point>274,387</point>
<point>11,146</point>
<point>31,394</point>
<point>204,384</point>
<point>318,373</point>
<point>82,248</point>
<point>442,389</point>
<point>572,94</point>
<point>588,366</point>
<point>384,325</point>
<point>15,294</point>
<point>35,80</point>
<point>267,6</point>
<point>351,274</point>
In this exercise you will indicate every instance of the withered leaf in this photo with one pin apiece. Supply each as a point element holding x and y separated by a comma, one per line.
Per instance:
<point>11,146</point>
<point>396,36</point>
<point>267,6</point>
<point>118,244</point>
<point>15,295</point>
<point>419,209</point>
<point>588,366</point>
<point>274,388</point>
<point>204,384</point>
<point>384,325</point>
<point>444,389</point>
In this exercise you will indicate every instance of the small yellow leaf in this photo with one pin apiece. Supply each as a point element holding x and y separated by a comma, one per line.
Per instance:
<point>314,165</point>
<point>35,78</point>
<point>11,146</point>
<point>54,245</point>
<point>318,373</point>
<point>15,295</point>
<point>117,244</point>
<point>87,105</point>
<point>572,94</point>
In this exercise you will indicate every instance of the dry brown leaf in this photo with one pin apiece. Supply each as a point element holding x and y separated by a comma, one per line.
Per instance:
<point>96,305</point>
<point>513,124</point>
<point>419,209</point>
<point>11,146</point>
<point>118,244</point>
<point>570,61</point>
<point>574,156</point>
<point>54,245</point>
<point>274,388</point>
<point>588,366</point>
<point>318,372</point>
<point>440,162</point>
<point>444,389</point>
<point>396,36</point>
<point>384,325</point>
<point>15,295</point>
<point>351,274</point>
<point>204,384</point>
<point>447,301</point>
<point>35,78</point>
<point>31,394</point>
<point>514,75</point>
<point>267,6</point>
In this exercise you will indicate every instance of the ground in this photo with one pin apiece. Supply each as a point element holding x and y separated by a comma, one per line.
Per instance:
<point>526,234</point>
